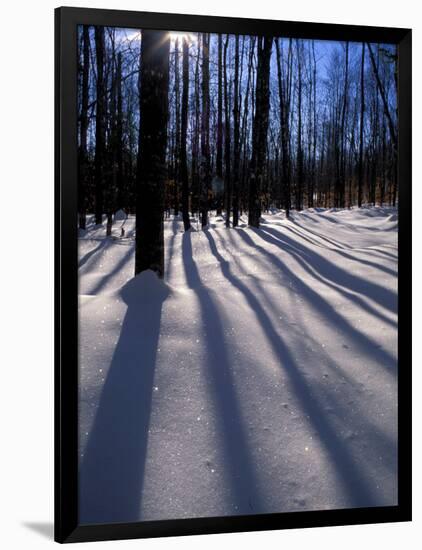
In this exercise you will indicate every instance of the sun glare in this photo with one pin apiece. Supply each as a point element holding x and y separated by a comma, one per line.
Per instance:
<point>189,37</point>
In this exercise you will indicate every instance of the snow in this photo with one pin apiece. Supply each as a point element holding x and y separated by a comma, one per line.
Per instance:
<point>260,376</point>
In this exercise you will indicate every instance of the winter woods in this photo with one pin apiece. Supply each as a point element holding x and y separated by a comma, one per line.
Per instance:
<point>237,275</point>
<point>230,124</point>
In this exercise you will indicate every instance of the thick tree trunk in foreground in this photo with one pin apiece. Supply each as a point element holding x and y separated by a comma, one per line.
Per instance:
<point>260,129</point>
<point>183,155</point>
<point>119,136</point>
<point>151,174</point>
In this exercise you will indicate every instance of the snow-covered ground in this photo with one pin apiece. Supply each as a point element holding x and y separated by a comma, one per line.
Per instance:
<point>260,376</point>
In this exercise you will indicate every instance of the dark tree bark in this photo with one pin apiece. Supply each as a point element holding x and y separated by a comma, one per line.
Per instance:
<point>362,114</point>
<point>313,174</point>
<point>119,135</point>
<point>383,96</point>
<point>99,125</point>
<point>83,146</point>
<point>177,128</point>
<point>227,145</point>
<point>205,130</point>
<point>151,174</point>
<point>284,131</point>
<point>115,153</point>
<point>195,137</point>
<point>245,125</point>
<point>236,136</point>
<point>219,144</point>
<point>183,137</point>
<point>299,178</point>
<point>260,129</point>
<point>342,132</point>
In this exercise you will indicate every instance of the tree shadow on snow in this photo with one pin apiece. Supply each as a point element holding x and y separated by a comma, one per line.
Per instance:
<point>102,244</point>
<point>346,418</point>
<point>358,488</point>
<point>245,495</point>
<point>383,296</point>
<point>127,257</point>
<point>112,470</point>
<point>170,248</point>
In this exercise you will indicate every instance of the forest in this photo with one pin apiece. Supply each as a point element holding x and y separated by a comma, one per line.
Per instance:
<point>239,124</point>
<point>237,275</point>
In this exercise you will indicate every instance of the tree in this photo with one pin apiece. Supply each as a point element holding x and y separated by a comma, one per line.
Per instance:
<point>177,127</point>
<point>299,175</point>
<point>381,90</point>
<point>83,145</point>
<point>195,149</point>
<point>227,147</point>
<point>119,134</point>
<point>260,129</point>
<point>284,126</point>
<point>236,136</point>
<point>313,171</point>
<point>391,125</point>
<point>183,155</point>
<point>99,126</point>
<point>219,144</point>
<point>342,132</point>
<point>151,172</point>
<point>205,130</point>
<point>362,114</point>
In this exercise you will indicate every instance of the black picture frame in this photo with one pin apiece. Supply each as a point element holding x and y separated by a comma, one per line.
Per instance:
<point>66,277</point>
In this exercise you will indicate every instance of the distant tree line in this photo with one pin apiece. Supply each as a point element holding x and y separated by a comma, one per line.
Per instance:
<point>191,123</point>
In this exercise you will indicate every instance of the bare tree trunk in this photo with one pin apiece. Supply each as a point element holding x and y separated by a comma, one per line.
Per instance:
<point>313,175</point>
<point>244,131</point>
<point>83,146</point>
<point>99,126</point>
<point>260,129</point>
<point>195,139</point>
<point>177,127</point>
<point>227,147</point>
<point>342,133</point>
<point>236,136</point>
<point>119,135</point>
<point>299,178</point>
<point>219,158</point>
<point>362,113</point>
<point>153,106</point>
<point>183,155</point>
<point>383,97</point>
<point>205,130</point>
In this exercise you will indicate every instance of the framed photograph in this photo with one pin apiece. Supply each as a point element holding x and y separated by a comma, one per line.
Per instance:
<point>233,286</point>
